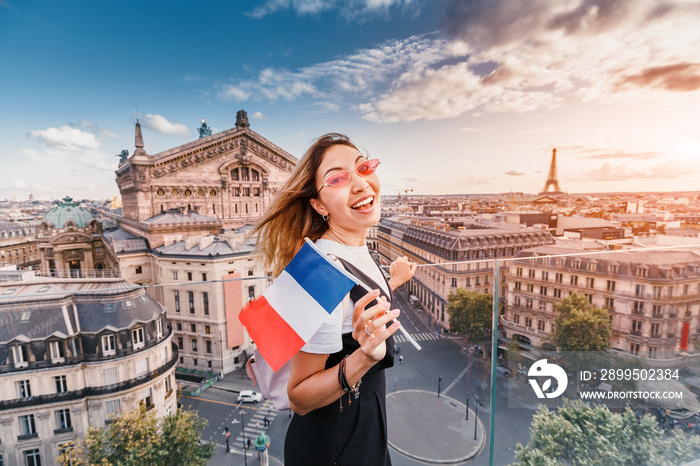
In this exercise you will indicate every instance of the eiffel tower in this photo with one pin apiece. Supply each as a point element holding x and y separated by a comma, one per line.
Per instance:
<point>552,181</point>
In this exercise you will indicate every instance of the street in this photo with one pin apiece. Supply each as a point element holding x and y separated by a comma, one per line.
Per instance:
<point>441,356</point>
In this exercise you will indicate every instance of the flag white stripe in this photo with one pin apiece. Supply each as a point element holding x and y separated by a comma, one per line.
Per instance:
<point>296,306</point>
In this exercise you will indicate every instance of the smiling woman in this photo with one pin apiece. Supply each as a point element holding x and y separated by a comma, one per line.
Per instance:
<point>336,384</point>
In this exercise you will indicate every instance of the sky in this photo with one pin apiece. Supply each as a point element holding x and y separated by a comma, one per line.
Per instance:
<point>454,96</point>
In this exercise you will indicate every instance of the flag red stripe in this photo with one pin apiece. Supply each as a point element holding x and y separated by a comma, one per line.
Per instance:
<point>275,339</point>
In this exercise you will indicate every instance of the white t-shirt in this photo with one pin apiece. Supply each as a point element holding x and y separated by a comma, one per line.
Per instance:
<point>328,338</point>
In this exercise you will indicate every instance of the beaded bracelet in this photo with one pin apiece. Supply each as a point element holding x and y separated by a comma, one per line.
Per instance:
<point>345,386</point>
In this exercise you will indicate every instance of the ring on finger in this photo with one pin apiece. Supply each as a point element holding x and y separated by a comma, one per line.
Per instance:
<point>367,331</point>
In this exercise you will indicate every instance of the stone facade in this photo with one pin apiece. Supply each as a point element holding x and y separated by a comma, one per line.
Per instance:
<point>652,297</point>
<point>90,349</point>
<point>231,176</point>
<point>473,245</point>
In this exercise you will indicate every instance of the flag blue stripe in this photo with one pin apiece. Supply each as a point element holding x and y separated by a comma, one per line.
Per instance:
<point>319,277</point>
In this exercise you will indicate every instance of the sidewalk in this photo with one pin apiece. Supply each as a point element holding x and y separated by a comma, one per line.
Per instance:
<point>431,429</point>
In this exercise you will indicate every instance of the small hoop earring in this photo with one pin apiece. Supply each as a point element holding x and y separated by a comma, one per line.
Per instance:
<point>324,217</point>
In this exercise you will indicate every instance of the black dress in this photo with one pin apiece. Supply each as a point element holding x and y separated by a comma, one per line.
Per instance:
<point>357,435</point>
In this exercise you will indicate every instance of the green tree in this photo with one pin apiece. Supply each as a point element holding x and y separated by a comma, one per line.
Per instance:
<point>580,326</point>
<point>140,438</point>
<point>577,435</point>
<point>470,312</point>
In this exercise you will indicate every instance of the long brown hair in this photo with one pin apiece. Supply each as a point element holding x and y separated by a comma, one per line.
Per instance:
<point>290,218</point>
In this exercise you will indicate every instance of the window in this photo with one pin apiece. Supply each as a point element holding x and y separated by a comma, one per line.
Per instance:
<point>609,303</point>
<point>57,352</point>
<point>530,288</point>
<point>189,276</point>
<point>24,390</point>
<point>174,275</point>
<point>653,352</point>
<point>590,282</point>
<point>179,326</point>
<point>516,318</point>
<point>60,382</point>
<point>250,272</point>
<point>234,174</point>
<point>469,282</point>
<point>208,343</point>
<point>194,345</point>
<point>251,293</point>
<point>528,321</point>
<point>589,297</point>
<point>611,285</point>
<point>63,420</point>
<point>634,348</point>
<point>168,385</point>
<point>543,290</point>
<point>193,328</point>
<point>642,272</point>
<point>531,273</point>
<point>638,307</point>
<point>139,269</point>
<point>20,355</point>
<point>190,297</point>
<point>655,330</point>
<point>576,264</point>
<point>109,345</point>
<point>613,269</point>
<point>194,361</point>
<point>244,174</point>
<point>559,277</point>
<point>670,292</point>
<point>159,328</point>
<point>204,276</point>
<point>528,303</point>
<point>205,300</point>
<point>207,329</point>
<point>543,306</point>
<point>574,280</point>
<point>545,275</point>
<point>540,325</point>
<point>27,425</point>
<point>146,399</point>
<point>637,327</point>
<point>557,292</point>
<point>639,290</point>
<point>113,408</point>
<point>137,338</point>
<point>454,281</point>
<point>519,272</point>
<point>591,266</point>
<point>518,286</point>
<point>517,301</point>
<point>656,310</point>
<point>686,288</point>
<point>179,343</point>
<point>110,376</point>
<point>32,457</point>
<point>177,300</point>
<point>255,175</point>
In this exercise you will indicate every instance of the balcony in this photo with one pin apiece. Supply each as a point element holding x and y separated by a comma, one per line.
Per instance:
<point>27,436</point>
<point>63,430</point>
<point>91,391</point>
<point>84,273</point>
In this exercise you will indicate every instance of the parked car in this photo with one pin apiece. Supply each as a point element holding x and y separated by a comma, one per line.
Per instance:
<point>249,396</point>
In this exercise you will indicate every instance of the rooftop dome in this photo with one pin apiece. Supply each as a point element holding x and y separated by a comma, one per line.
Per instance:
<point>67,210</point>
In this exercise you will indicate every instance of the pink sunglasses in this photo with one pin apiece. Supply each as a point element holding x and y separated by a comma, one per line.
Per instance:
<point>340,179</point>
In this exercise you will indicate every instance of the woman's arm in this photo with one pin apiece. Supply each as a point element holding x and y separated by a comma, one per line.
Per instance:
<point>401,271</point>
<point>311,386</point>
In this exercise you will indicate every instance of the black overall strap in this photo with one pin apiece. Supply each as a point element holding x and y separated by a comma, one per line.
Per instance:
<point>349,343</point>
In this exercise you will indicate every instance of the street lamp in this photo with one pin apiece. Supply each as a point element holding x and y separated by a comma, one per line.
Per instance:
<point>439,382</point>
<point>245,455</point>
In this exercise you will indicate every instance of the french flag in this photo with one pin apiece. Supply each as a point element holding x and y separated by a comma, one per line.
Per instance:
<point>294,307</point>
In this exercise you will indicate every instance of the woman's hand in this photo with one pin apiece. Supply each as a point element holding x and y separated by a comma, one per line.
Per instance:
<point>401,271</point>
<point>369,325</point>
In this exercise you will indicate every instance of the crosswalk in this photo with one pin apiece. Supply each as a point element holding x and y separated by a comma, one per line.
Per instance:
<point>416,336</point>
<point>254,425</point>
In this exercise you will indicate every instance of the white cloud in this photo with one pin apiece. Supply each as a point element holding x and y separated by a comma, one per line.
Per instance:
<point>94,129</point>
<point>160,124</point>
<point>347,8</point>
<point>233,93</point>
<point>258,116</point>
<point>66,138</point>
<point>608,172</point>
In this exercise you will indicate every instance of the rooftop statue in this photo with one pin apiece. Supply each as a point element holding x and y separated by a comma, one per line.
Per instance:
<point>204,130</point>
<point>123,156</point>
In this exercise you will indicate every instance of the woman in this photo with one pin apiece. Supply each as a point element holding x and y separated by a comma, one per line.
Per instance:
<point>337,382</point>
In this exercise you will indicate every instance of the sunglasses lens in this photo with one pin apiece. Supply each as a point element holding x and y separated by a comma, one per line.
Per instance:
<point>367,167</point>
<point>339,179</point>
